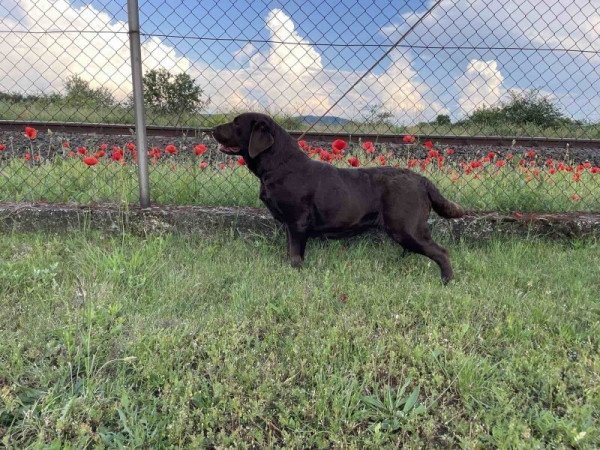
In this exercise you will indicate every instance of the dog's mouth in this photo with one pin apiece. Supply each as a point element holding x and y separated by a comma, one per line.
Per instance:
<point>229,150</point>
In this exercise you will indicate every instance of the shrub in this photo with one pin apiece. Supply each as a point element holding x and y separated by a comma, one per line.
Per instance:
<point>79,92</point>
<point>165,93</point>
<point>528,107</point>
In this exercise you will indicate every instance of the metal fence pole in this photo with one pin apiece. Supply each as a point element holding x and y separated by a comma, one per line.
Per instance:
<point>138,100</point>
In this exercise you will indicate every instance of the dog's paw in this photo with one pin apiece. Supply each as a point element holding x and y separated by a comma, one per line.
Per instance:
<point>296,261</point>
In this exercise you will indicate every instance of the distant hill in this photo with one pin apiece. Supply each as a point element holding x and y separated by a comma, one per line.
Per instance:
<point>327,120</point>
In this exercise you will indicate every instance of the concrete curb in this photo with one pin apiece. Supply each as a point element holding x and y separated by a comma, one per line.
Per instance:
<point>23,217</point>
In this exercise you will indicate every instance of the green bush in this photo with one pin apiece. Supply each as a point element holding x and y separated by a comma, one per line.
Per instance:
<point>522,108</point>
<point>165,93</point>
<point>79,92</point>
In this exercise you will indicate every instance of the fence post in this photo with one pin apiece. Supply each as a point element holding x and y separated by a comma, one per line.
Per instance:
<point>135,49</point>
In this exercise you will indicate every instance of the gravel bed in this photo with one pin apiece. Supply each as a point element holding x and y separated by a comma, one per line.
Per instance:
<point>51,143</point>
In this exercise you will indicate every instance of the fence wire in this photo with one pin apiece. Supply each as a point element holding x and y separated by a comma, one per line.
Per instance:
<point>472,67</point>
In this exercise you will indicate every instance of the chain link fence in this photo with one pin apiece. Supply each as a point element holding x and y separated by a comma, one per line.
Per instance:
<point>470,67</point>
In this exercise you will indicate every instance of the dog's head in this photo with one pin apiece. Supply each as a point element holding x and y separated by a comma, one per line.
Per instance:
<point>249,135</point>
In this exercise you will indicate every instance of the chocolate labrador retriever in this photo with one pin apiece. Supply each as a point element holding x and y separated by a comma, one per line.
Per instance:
<point>312,198</point>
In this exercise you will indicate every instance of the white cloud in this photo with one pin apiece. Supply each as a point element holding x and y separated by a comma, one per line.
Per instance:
<point>480,85</point>
<point>288,77</point>
<point>36,61</point>
<point>244,53</point>
<point>291,75</point>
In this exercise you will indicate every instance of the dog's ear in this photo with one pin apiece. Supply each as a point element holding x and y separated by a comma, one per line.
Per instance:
<point>260,139</point>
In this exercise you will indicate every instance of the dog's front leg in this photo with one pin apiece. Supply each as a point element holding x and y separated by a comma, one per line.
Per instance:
<point>296,246</point>
<point>289,241</point>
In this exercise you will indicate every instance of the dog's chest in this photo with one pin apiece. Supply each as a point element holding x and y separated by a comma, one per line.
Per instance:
<point>270,201</point>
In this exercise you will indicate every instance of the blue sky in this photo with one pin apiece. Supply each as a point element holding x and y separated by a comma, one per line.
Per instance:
<point>356,22</point>
<point>208,35</point>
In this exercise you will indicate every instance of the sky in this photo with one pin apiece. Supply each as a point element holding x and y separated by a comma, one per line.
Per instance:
<point>299,57</point>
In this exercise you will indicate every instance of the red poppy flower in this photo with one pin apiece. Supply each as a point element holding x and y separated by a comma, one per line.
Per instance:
<point>171,149</point>
<point>339,145</point>
<point>440,161</point>
<point>154,152</point>
<point>2,147</point>
<point>66,144</point>
<point>381,159</point>
<point>117,154</point>
<point>90,160</point>
<point>551,170</point>
<point>486,159</point>
<point>468,170</point>
<point>130,146</point>
<point>580,168</point>
<point>428,144</point>
<point>509,156</point>
<point>303,145</point>
<point>549,163</point>
<point>595,170</point>
<point>536,172</point>
<point>433,153</point>
<point>449,151</point>
<point>587,165</point>
<point>104,147</point>
<point>324,155</point>
<point>354,161</point>
<point>476,164</point>
<point>530,154</point>
<point>203,165</point>
<point>100,154</point>
<point>241,161</point>
<point>491,155</point>
<point>368,147</point>
<point>200,149</point>
<point>500,163</point>
<point>576,177</point>
<point>30,132</point>
<point>408,139</point>
<point>412,163</point>
<point>575,197</point>
<point>27,156</point>
<point>522,162</point>
<point>81,150</point>
<point>71,154</point>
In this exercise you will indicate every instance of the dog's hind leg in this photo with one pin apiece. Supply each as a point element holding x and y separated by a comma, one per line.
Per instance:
<point>418,239</point>
<point>429,248</point>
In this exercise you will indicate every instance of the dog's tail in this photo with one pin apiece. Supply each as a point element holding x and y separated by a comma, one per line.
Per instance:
<point>441,205</point>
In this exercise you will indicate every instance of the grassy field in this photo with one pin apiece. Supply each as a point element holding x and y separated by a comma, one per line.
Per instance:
<point>214,342</point>
<point>182,181</point>
<point>61,111</point>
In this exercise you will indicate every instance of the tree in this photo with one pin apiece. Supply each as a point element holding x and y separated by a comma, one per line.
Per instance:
<point>528,107</point>
<point>377,115</point>
<point>78,91</point>
<point>168,94</point>
<point>442,119</point>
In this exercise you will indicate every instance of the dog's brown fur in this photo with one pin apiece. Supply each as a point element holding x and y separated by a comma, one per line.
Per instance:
<point>312,198</point>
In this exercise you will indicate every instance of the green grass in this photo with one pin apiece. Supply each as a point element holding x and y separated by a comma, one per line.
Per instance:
<point>62,111</point>
<point>182,182</point>
<point>213,342</point>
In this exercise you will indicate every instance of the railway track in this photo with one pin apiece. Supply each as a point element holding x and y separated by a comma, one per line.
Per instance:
<point>171,131</point>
